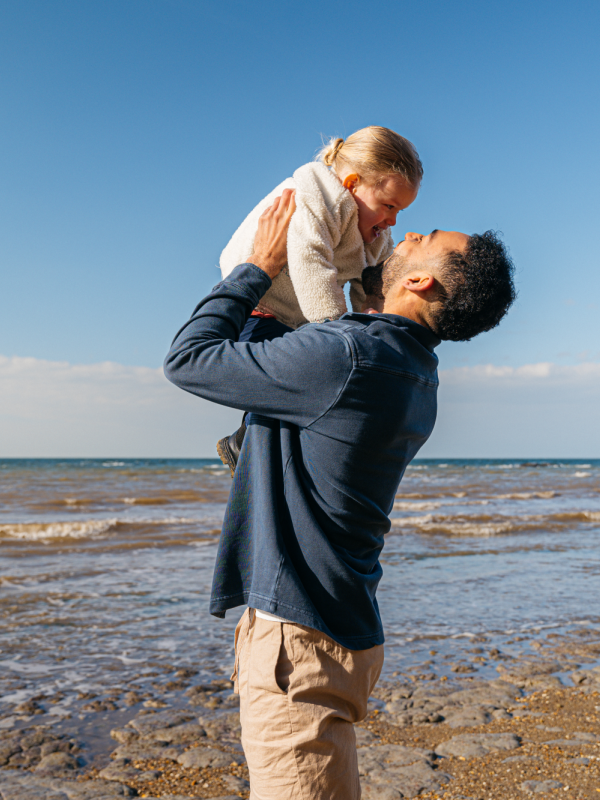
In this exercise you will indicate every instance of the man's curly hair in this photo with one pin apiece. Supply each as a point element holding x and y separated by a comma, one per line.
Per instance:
<point>477,289</point>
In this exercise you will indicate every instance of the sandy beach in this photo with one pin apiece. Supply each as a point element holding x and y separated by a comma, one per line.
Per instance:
<point>533,730</point>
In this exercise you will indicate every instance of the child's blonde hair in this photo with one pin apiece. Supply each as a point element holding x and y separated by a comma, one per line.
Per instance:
<point>374,153</point>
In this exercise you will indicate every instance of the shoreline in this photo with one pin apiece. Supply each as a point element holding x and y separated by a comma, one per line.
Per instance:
<point>532,730</point>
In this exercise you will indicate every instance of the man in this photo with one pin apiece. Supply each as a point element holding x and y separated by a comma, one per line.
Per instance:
<point>337,412</point>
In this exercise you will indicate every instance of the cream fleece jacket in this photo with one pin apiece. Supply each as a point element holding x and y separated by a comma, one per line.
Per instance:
<point>325,249</point>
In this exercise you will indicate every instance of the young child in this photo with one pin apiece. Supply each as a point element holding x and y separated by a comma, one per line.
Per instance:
<point>346,202</point>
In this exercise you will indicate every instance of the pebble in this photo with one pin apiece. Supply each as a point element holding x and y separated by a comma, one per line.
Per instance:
<point>117,772</point>
<point>524,759</point>
<point>575,742</point>
<point>540,786</point>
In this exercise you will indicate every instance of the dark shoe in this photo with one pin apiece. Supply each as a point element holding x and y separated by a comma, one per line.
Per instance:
<point>229,447</point>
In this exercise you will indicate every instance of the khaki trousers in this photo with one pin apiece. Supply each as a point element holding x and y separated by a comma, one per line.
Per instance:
<point>300,695</point>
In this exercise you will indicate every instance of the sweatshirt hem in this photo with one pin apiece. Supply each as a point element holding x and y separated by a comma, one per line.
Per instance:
<point>220,605</point>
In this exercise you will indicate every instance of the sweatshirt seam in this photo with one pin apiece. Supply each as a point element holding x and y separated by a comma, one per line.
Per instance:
<point>345,384</point>
<point>400,373</point>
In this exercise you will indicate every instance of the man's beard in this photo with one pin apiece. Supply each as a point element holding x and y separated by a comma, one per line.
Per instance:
<point>392,270</point>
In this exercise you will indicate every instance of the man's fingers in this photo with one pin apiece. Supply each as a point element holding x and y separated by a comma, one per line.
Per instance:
<point>285,204</point>
<point>270,242</point>
<point>289,201</point>
<point>272,208</point>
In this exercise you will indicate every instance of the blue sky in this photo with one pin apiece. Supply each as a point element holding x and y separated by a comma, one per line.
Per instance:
<point>137,134</point>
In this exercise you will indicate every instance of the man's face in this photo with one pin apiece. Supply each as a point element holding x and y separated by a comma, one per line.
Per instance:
<point>419,249</point>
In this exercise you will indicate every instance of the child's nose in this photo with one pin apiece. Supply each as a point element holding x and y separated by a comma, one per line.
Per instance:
<point>391,218</point>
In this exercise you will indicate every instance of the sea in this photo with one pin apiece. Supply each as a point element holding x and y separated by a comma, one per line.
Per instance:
<point>106,567</point>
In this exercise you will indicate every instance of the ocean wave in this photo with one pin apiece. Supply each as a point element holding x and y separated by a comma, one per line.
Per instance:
<point>487,525</point>
<point>583,474</point>
<point>40,531</point>
<point>415,505</point>
<point>37,531</point>
<point>216,469</point>
<point>526,495</point>
<point>145,501</point>
<point>433,496</point>
<point>579,516</point>
<point>430,505</point>
<point>454,526</point>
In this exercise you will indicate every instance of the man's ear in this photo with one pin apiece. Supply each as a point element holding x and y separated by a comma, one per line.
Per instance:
<point>351,182</point>
<point>418,281</point>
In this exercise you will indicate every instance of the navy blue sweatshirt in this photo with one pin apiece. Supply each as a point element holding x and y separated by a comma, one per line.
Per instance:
<point>338,410</point>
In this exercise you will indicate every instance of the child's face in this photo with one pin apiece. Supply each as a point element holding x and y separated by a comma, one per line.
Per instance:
<point>378,205</point>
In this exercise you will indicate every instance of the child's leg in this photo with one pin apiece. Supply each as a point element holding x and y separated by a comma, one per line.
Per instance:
<point>259,328</point>
<point>263,328</point>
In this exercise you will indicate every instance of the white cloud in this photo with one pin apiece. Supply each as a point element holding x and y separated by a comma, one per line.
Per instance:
<point>528,372</point>
<point>536,410</point>
<point>58,409</point>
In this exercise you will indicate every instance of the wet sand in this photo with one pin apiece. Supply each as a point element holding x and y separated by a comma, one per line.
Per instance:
<point>531,730</point>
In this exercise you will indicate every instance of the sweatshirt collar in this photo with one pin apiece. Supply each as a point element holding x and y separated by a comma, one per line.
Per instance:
<point>423,335</point>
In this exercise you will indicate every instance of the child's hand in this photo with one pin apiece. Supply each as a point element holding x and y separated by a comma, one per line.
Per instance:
<point>270,243</point>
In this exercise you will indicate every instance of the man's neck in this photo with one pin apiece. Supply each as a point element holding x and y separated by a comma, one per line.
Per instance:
<point>407,306</point>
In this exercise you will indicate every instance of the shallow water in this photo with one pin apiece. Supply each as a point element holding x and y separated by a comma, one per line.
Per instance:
<point>106,566</point>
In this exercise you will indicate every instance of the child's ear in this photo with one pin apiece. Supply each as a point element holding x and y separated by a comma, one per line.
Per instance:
<point>351,182</point>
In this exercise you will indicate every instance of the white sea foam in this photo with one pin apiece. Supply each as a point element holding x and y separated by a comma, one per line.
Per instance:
<point>41,531</point>
<point>583,474</point>
<point>430,523</point>
<point>526,496</point>
<point>431,505</point>
<point>38,531</point>
<point>413,505</point>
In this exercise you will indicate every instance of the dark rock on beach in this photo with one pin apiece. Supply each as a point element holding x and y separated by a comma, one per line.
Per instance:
<point>472,745</point>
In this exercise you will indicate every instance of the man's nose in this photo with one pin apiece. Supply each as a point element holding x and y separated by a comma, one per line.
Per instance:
<point>413,237</point>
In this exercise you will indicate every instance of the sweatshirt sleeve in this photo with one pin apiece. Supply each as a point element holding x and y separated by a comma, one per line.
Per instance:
<point>315,231</point>
<point>295,378</point>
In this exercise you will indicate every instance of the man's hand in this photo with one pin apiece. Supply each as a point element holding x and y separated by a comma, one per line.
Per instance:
<point>270,243</point>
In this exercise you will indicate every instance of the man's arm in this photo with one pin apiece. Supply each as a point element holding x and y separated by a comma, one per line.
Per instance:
<point>294,378</point>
